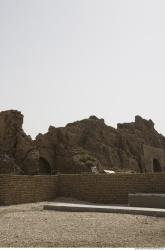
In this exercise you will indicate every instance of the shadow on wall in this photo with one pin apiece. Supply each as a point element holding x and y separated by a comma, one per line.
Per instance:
<point>44,167</point>
<point>156,166</point>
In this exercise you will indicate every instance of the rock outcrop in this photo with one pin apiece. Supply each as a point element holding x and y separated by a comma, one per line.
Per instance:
<point>79,147</point>
<point>18,152</point>
<point>84,144</point>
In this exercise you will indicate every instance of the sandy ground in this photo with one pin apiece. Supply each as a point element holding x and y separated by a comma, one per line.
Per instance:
<point>28,225</point>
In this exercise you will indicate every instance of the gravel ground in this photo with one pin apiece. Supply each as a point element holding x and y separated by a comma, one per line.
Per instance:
<point>28,225</point>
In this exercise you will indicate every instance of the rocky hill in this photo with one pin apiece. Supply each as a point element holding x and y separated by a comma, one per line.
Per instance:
<point>78,147</point>
<point>18,153</point>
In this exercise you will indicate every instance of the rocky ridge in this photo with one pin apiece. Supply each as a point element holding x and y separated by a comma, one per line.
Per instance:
<point>77,147</point>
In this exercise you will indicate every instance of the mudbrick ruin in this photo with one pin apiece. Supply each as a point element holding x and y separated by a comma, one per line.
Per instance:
<point>80,147</point>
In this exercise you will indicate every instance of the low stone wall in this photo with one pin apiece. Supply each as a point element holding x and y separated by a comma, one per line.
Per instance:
<point>146,200</point>
<point>16,189</point>
<point>112,188</point>
<point>101,188</point>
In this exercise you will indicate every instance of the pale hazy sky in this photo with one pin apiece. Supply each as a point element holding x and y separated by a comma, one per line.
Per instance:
<point>64,60</point>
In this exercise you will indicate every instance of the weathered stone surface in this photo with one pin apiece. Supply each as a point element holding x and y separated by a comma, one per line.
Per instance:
<point>8,165</point>
<point>80,146</point>
<point>16,146</point>
<point>90,142</point>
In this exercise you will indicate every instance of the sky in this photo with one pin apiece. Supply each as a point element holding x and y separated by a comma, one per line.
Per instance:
<point>64,60</point>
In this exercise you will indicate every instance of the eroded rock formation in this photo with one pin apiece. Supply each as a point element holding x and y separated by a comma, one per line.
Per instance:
<point>17,150</point>
<point>80,147</point>
<point>90,142</point>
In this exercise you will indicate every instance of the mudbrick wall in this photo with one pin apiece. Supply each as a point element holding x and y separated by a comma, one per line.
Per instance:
<point>15,189</point>
<point>110,188</point>
<point>95,188</point>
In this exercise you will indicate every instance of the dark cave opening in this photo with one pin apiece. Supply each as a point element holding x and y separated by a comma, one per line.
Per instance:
<point>156,165</point>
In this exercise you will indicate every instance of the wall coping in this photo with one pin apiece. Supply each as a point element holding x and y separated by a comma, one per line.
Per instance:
<point>94,175</point>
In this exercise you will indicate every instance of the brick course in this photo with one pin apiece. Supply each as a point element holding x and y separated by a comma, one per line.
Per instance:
<point>110,188</point>
<point>101,188</point>
<point>16,189</point>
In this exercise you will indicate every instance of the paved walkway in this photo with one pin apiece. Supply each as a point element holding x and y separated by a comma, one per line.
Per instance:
<point>74,207</point>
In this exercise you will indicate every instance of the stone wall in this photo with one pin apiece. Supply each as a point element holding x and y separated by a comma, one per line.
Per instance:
<point>110,188</point>
<point>95,188</point>
<point>15,189</point>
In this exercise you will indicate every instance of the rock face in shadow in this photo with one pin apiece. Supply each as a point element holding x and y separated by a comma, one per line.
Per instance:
<point>18,153</point>
<point>81,146</point>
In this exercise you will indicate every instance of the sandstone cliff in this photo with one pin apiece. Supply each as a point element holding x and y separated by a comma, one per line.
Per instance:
<point>79,147</point>
<point>90,142</point>
<point>18,153</point>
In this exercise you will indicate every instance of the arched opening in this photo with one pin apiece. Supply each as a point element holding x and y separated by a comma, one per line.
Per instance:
<point>156,165</point>
<point>44,167</point>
